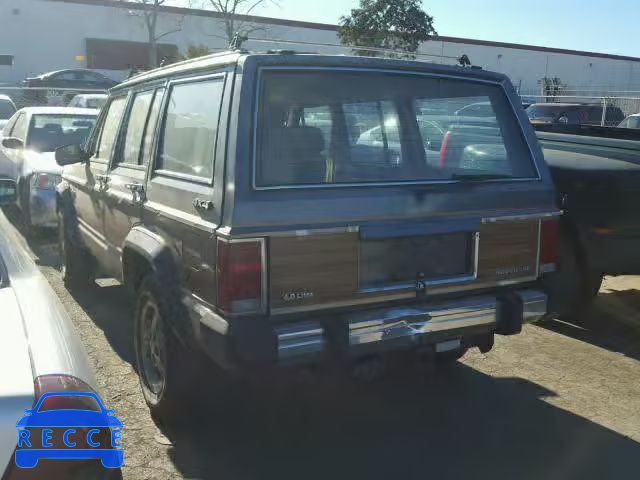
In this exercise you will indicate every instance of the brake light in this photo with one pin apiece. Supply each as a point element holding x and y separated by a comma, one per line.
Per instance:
<point>443,149</point>
<point>61,383</point>
<point>239,275</point>
<point>549,242</point>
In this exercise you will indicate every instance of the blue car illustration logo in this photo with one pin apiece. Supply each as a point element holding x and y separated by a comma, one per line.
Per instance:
<point>50,430</point>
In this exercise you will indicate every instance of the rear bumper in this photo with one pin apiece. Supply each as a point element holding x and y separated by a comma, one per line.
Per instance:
<point>256,342</point>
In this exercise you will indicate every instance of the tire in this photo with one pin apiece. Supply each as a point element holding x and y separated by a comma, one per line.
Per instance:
<point>76,264</point>
<point>169,372</point>
<point>575,281</point>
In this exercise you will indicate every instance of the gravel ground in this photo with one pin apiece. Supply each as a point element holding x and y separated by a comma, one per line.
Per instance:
<point>559,401</point>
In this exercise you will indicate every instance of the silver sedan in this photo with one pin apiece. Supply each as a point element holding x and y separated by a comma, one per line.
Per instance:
<point>40,351</point>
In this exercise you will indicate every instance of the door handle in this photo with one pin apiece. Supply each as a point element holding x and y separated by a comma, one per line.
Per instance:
<point>103,180</point>
<point>137,189</point>
<point>134,187</point>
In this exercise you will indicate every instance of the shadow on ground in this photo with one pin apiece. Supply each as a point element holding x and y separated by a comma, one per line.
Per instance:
<point>458,424</point>
<point>612,322</point>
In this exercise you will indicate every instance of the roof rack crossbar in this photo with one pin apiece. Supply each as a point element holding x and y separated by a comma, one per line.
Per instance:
<point>351,47</point>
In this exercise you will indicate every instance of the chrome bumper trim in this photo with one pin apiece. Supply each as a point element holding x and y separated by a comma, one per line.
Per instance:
<point>297,340</point>
<point>411,323</point>
<point>380,327</point>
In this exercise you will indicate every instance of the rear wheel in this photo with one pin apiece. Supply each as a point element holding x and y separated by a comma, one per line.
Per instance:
<point>76,264</point>
<point>170,373</point>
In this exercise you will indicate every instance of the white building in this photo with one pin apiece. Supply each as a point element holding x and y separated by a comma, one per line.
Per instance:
<point>110,36</point>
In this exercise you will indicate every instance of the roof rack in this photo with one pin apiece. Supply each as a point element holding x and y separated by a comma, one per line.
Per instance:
<point>349,47</point>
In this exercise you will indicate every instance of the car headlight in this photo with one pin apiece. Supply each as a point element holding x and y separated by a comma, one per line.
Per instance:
<point>46,181</point>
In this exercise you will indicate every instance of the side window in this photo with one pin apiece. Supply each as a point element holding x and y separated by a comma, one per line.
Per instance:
<point>135,127</point>
<point>110,127</point>
<point>20,127</point>
<point>190,128</point>
<point>150,128</point>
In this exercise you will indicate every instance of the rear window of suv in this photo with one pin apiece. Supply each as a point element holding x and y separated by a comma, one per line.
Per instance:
<point>345,127</point>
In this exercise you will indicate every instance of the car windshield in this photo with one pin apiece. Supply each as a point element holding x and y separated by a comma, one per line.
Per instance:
<point>96,102</point>
<point>7,109</point>
<point>48,132</point>
<point>329,128</point>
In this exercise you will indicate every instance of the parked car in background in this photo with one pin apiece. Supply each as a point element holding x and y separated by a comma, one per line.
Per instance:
<point>632,121</point>
<point>7,109</point>
<point>88,100</point>
<point>596,171</point>
<point>310,244</point>
<point>40,350</point>
<point>573,113</point>
<point>28,145</point>
<point>77,80</point>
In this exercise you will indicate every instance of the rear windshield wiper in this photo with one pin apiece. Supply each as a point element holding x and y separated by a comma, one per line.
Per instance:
<point>478,177</point>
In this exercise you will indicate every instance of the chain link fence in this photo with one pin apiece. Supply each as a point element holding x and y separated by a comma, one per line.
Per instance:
<point>598,110</point>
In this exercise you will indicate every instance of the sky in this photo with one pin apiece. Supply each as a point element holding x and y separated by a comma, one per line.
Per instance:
<point>591,25</point>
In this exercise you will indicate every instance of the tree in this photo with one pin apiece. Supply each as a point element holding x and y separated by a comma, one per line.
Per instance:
<point>195,51</point>
<point>229,9</point>
<point>399,25</point>
<point>151,11</point>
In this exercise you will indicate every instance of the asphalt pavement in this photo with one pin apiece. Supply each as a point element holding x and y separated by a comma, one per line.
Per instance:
<point>559,401</point>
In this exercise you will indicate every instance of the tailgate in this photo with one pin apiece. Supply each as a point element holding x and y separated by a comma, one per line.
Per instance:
<point>374,263</point>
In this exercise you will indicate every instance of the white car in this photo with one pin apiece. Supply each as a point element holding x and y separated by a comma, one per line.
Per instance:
<point>632,121</point>
<point>40,350</point>
<point>7,109</point>
<point>27,155</point>
<point>88,100</point>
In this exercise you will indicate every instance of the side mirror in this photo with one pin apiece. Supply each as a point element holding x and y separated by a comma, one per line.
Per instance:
<point>12,143</point>
<point>70,154</point>
<point>8,191</point>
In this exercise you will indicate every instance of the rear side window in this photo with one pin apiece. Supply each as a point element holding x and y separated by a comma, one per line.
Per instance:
<point>132,149</point>
<point>190,128</point>
<point>110,127</point>
<point>339,127</point>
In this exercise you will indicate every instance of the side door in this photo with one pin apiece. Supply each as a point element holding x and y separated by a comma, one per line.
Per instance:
<point>88,181</point>
<point>180,190</point>
<point>126,193</point>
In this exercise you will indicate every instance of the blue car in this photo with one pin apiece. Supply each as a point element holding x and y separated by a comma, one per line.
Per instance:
<point>71,420</point>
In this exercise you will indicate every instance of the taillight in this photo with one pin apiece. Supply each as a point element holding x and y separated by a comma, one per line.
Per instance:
<point>443,149</point>
<point>63,383</point>
<point>549,242</point>
<point>239,275</point>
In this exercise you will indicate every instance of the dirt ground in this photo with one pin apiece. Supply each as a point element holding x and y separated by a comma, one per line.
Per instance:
<point>559,401</point>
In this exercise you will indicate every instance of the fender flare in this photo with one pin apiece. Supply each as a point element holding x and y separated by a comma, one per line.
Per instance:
<point>165,264</point>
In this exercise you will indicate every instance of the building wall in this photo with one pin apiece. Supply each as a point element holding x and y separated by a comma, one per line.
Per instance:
<point>45,35</point>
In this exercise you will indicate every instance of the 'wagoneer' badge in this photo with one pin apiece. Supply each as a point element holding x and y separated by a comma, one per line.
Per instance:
<point>293,296</point>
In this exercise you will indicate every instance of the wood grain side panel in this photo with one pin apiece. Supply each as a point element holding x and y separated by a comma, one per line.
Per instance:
<point>508,250</point>
<point>323,265</point>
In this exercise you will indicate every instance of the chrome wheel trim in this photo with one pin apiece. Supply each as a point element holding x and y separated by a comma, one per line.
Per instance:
<point>153,348</point>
